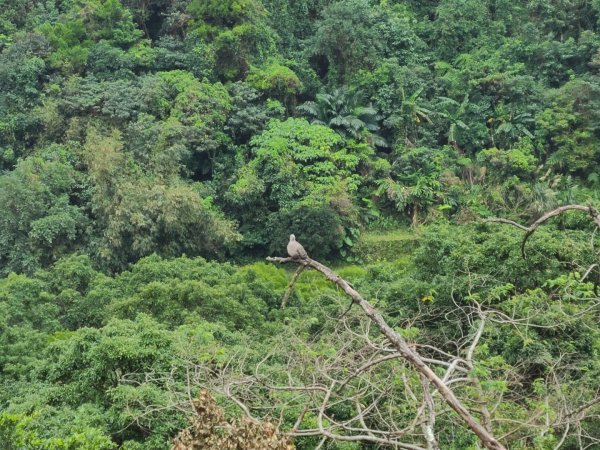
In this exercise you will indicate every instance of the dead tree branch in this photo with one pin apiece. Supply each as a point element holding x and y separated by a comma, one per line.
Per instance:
<point>290,286</point>
<point>593,212</point>
<point>402,347</point>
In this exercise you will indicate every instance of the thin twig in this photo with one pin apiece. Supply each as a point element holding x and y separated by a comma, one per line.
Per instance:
<point>290,286</point>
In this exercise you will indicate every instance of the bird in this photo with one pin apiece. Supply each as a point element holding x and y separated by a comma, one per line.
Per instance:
<point>295,249</point>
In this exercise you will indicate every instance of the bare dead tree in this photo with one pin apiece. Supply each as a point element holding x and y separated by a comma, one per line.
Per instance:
<point>358,376</point>
<point>406,352</point>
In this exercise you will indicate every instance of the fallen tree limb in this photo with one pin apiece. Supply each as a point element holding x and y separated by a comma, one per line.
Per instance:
<point>402,347</point>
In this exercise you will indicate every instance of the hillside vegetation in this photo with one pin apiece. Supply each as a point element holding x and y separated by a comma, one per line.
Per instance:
<point>154,152</point>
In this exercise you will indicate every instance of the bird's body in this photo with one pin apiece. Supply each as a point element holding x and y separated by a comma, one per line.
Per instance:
<point>295,249</point>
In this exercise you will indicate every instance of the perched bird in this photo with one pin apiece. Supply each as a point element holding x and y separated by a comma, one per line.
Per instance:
<point>295,249</point>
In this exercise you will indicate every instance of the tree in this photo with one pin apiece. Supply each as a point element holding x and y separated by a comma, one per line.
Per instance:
<point>250,114</point>
<point>320,227</point>
<point>458,26</point>
<point>277,81</point>
<point>44,217</point>
<point>413,113</point>
<point>72,37</point>
<point>346,36</point>
<point>188,118</point>
<point>344,112</point>
<point>22,68</point>
<point>415,182</point>
<point>228,12</point>
<point>454,116</point>
<point>293,165</point>
<point>23,430</point>
<point>140,214</point>
<point>237,31</point>
<point>567,128</point>
<point>356,34</point>
<point>511,127</point>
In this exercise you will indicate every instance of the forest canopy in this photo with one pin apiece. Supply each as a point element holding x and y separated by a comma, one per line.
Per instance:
<point>154,152</point>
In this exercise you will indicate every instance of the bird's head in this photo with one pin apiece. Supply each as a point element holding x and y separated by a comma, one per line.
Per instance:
<point>292,237</point>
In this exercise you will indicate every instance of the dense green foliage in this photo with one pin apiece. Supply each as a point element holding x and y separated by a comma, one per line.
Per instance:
<point>429,108</point>
<point>152,151</point>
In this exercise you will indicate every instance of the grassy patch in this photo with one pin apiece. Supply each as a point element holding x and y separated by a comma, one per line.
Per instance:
<point>389,245</point>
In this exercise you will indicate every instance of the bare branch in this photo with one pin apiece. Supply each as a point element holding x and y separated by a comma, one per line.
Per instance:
<point>290,286</point>
<point>583,408</point>
<point>509,222</point>
<point>593,212</point>
<point>398,342</point>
